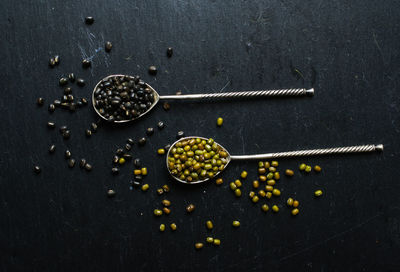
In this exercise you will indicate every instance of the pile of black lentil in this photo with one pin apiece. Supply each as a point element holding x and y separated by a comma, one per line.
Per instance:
<point>121,98</point>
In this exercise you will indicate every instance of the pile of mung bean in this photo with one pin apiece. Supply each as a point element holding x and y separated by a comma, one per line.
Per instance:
<point>193,159</point>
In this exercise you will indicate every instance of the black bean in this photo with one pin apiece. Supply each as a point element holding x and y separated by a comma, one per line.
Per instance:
<point>67,90</point>
<point>63,128</point>
<point>180,134</point>
<point>82,163</point>
<point>88,133</point>
<point>115,159</point>
<point>80,82</point>
<point>119,151</point>
<point>150,131</point>
<point>40,101</point>
<point>88,167</point>
<point>63,81</point>
<point>127,157</point>
<point>57,59</point>
<point>160,125</point>
<point>142,141</point>
<point>70,98</point>
<point>86,63</point>
<point>52,108</point>
<point>52,63</point>
<point>89,20</point>
<point>93,127</point>
<point>66,134</point>
<point>84,101</point>
<point>108,46</point>
<point>71,77</point>
<point>52,148</point>
<point>111,193</point>
<point>37,169</point>
<point>135,183</point>
<point>128,147</point>
<point>71,163</point>
<point>67,154</point>
<point>51,124</point>
<point>166,106</point>
<point>130,141</point>
<point>152,70</point>
<point>167,147</point>
<point>170,51</point>
<point>138,178</point>
<point>57,103</point>
<point>137,163</point>
<point>115,170</point>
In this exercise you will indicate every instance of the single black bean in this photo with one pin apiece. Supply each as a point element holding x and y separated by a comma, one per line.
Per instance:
<point>167,147</point>
<point>67,90</point>
<point>150,131</point>
<point>108,46</point>
<point>115,170</point>
<point>86,63</point>
<point>67,154</point>
<point>89,20</point>
<point>111,193</point>
<point>135,183</point>
<point>80,82</point>
<point>52,148</point>
<point>88,167</point>
<point>130,141</point>
<point>142,141</point>
<point>40,101</point>
<point>137,162</point>
<point>152,70</point>
<point>71,77</point>
<point>84,101</point>
<point>88,133</point>
<point>57,59</point>
<point>160,125</point>
<point>52,108</point>
<point>115,159</point>
<point>170,51</point>
<point>127,157</point>
<point>51,124</point>
<point>93,127</point>
<point>71,163</point>
<point>57,103</point>
<point>63,128</point>
<point>63,81</point>
<point>138,178</point>
<point>37,169</point>
<point>66,134</point>
<point>82,163</point>
<point>180,134</point>
<point>52,63</point>
<point>128,147</point>
<point>70,98</point>
<point>166,106</point>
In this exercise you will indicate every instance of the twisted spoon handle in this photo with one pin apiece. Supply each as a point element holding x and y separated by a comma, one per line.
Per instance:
<point>312,152</point>
<point>265,93</point>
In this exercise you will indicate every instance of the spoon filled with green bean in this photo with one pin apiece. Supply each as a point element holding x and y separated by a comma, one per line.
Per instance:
<point>123,98</point>
<point>194,159</point>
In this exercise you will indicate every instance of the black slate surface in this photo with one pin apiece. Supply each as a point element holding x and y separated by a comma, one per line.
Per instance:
<point>61,220</point>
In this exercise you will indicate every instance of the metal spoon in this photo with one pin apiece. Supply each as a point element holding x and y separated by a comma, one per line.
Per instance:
<point>300,153</point>
<point>157,97</point>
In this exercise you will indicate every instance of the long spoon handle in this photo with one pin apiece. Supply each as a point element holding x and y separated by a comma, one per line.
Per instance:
<point>312,152</point>
<point>247,94</point>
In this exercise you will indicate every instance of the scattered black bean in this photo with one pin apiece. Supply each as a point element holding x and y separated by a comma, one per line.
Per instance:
<point>88,133</point>
<point>137,163</point>
<point>57,59</point>
<point>135,183</point>
<point>66,134</point>
<point>52,108</point>
<point>63,128</point>
<point>115,159</point>
<point>89,20</point>
<point>178,92</point>
<point>167,147</point>
<point>82,163</point>
<point>138,178</point>
<point>63,81</point>
<point>52,148</point>
<point>93,127</point>
<point>52,63</point>
<point>115,170</point>
<point>57,103</point>
<point>88,167</point>
<point>71,77</point>
<point>64,98</point>
<point>180,134</point>
<point>70,98</point>
<point>71,163</point>
<point>51,124</point>
<point>127,157</point>
<point>160,125</point>
<point>111,193</point>
<point>130,141</point>
<point>67,90</point>
<point>80,82</point>
<point>40,101</point>
<point>142,141</point>
<point>67,154</point>
<point>166,106</point>
<point>128,147</point>
<point>150,131</point>
<point>119,151</point>
<point>152,70</point>
<point>86,63</point>
<point>170,51</point>
<point>108,46</point>
<point>37,169</point>
<point>84,101</point>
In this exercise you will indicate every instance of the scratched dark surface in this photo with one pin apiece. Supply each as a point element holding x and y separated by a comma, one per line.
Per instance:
<point>61,220</point>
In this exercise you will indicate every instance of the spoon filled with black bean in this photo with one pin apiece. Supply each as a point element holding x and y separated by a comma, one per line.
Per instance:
<point>123,98</point>
<point>196,159</point>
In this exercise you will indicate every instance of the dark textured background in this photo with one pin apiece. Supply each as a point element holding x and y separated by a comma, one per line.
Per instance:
<point>61,220</point>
